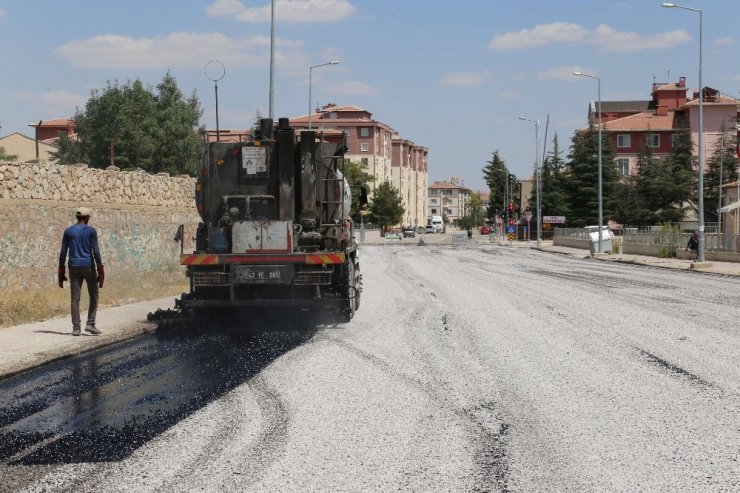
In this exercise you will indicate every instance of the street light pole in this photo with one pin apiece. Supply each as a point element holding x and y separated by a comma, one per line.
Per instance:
<point>538,175</point>
<point>601,198</point>
<point>272,56</point>
<point>310,79</point>
<point>700,180</point>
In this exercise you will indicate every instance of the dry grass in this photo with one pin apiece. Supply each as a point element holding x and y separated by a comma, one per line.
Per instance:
<point>42,304</point>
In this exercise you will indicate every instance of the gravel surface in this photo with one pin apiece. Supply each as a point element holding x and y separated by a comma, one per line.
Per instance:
<point>479,368</point>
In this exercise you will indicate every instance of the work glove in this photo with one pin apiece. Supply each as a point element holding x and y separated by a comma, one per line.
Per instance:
<point>101,275</point>
<point>62,277</point>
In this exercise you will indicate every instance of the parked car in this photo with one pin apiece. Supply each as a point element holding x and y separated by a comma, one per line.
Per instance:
<point>430,229</point>
<point>485,230</point>
<point>409,232</point>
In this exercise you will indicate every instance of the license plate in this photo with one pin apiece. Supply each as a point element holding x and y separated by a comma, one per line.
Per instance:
<point>263,274</point>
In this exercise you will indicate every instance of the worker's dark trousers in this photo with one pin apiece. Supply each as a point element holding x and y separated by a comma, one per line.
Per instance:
<point>78,275</point>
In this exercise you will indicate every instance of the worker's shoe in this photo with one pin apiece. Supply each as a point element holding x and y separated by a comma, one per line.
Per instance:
<point>75,331</point>
<point>92,329</point>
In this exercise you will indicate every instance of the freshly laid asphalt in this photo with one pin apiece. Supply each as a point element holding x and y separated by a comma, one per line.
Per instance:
<point>31,345</point>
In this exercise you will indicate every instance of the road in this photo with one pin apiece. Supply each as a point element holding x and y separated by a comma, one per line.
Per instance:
<point>483,368</point>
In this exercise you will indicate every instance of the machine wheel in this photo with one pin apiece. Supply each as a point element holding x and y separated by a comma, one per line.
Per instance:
<point>348,289</point>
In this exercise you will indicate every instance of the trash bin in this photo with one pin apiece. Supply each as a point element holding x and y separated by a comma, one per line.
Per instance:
<point>606,242</point>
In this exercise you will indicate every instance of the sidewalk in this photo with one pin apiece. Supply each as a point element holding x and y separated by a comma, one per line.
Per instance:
<point>27,346</point>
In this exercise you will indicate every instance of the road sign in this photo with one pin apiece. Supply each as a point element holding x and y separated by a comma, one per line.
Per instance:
<point>528,216</point>
<point>510,228</point>
<point>511,236</point>
<point>553,219</point>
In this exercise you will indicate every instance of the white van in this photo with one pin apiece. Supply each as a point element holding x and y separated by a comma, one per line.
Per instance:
<point>438,224</point>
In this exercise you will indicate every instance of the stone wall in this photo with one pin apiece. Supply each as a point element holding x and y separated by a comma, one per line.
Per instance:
<point>136,216</point>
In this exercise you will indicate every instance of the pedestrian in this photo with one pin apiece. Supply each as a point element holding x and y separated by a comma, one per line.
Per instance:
<point>693,245</point>
<point>85,266</point>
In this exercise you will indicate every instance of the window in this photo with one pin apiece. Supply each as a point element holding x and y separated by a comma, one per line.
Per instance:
<point>364,162</point>
<point>624,140</point>
<point>364,132</point>
<point>364,147</point>
<point>433,201</point>
<point>333,115</point>
<point>434,211</point>
<point>623,165</point>
<point>653,140</point>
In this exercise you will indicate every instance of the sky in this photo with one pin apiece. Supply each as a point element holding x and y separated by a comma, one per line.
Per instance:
<point>451,76</point>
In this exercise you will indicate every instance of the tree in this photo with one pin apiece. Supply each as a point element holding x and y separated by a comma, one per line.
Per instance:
<point>582,180</point>
<point>682,186</point>
<point>6,157</point>
<point>630,208</point>
<point>68,151</point>
<point>357,178</point>
<point>554,200</point>
<point>722,162</point>
<point>386,209</point>
<point>132,127</point>
<point>495,174</point>
<point>474,209</point>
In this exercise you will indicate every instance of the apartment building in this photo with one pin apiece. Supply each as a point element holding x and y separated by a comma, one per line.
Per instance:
<point>448,199</point>
<point>634,125</point>
<point>381,151</point>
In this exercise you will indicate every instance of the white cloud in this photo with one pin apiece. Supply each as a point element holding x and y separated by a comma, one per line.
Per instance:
<point>55,102</point>
<point>604,37</point>
<point>564,73</point>
<point>285,10</point>
<point>225,7</point>
<point>465,79</point>
<point>510,95</point>
<point>724,41</point>
<point>353,88</point>
<point>174,50</point>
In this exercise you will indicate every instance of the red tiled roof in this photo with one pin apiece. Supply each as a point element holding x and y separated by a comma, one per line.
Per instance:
<point>719,100</point>
<point>56,122</point>
<point>642,121</point>
<point>447,185</point>
<point>671,86</point>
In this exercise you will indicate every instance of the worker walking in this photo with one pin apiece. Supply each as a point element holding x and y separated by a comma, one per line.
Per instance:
<point>85,265</point>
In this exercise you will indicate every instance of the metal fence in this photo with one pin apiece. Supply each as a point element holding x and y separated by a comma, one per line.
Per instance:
<point>657,235</point>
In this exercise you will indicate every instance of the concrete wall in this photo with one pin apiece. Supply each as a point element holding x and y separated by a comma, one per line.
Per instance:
<point>136,216</point>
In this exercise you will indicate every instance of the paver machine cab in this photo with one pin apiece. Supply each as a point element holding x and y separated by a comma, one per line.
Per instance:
<point>276,230</point>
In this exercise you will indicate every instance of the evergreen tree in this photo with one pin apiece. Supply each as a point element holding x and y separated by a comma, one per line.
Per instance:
<point>630,209</point>
<point>582,179</point>
<point>495,174</point>
<point>554,198</point>
<point>682,189</point>
<point>723,161</point>
<point>386,207</point>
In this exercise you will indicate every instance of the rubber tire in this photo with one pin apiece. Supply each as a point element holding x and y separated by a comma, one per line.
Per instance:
<point>347,289</point>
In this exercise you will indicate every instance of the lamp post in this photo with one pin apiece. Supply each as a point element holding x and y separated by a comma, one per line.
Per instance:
<point>700,180</point>
<point>538,174</point>
<point>272,56</point>
<point>601,198</point>
<point>310,78</point>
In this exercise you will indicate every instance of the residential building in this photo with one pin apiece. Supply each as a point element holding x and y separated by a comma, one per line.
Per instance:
<point>448,199</point>
<point>50,129</point>
<point>26,148</point>
<point>634,125</point>
<point>381,151</point>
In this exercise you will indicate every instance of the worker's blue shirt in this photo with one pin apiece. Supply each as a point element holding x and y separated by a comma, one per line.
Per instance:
<point>81,241</point>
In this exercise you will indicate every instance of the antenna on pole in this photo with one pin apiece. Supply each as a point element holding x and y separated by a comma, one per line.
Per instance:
<point>215,71</point>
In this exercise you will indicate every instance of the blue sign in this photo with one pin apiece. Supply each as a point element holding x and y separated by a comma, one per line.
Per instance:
<point>510,229</point>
